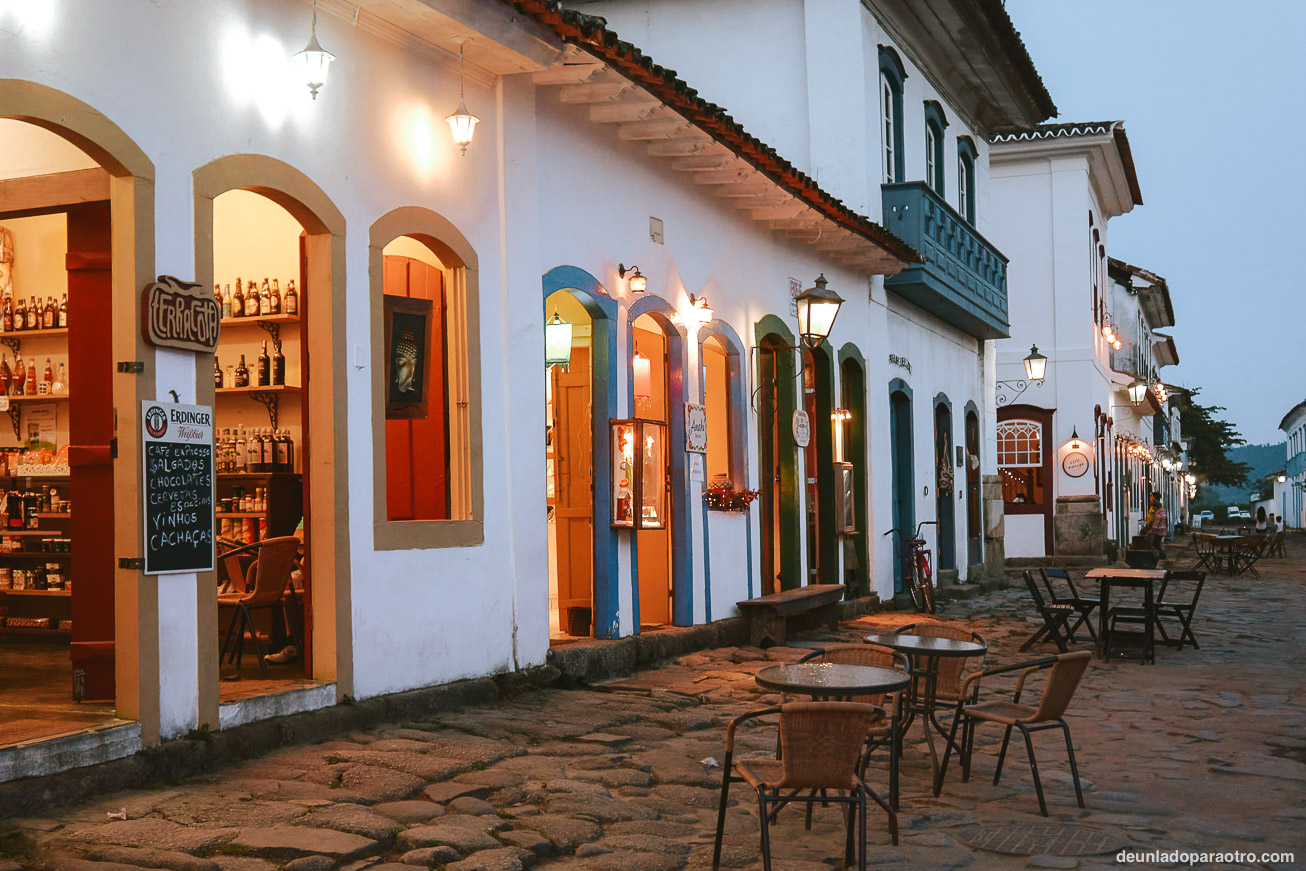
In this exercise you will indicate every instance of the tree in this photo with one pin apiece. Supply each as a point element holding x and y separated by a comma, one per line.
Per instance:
<point>1210,440</point>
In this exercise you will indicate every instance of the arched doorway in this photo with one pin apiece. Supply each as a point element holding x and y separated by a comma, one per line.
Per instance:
<point>818,462</point>
<point>944,483</point>
<point>777,457</point>
<point>582,399</point>
<point>904,479</point>
<point>72,183</point>
<point>661,554</point>
<point>852,383</point>
<point>257,217</point>
<point>974,517</point>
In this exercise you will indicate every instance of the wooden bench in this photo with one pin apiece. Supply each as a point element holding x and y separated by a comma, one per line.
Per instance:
<point>817,604</point>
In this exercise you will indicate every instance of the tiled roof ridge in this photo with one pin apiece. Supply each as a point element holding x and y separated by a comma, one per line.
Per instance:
<point>591,33</point>
<point>1147,274</point>
<point>1057,130</point>
<point>1018,53</point>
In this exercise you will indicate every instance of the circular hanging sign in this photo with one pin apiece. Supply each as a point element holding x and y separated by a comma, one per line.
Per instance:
<point>802,429</point>
<point>1075,464</point>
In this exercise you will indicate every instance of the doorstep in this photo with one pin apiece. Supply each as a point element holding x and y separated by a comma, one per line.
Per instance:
<point>278,704</point>
<point>102,742</point>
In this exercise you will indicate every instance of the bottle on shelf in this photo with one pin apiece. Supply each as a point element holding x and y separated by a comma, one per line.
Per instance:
<point>45,388</point>
<point>19,376</point>
<point>7,315</point>
<point>285,452</point>
<point>51,313</point>
<point>5,374</point>
<point>226,301</point>
<point>275,299</point>
<point>60,386</point>
<point>242,373</point>
<point>278,366</point>
<point>33,314</point>
<point>265,299</point>
<point>269,451</point>
<point>217,372</point>
<point>63,313</point>
<point>242,451</point>
<point>20,315</point>
<point>290,305</point>
<point>30,388</point>
<point>238,302</point>
<point>262,367</point>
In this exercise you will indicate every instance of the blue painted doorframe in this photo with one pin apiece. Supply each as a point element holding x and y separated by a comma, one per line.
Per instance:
<point>904,481</point>
<point>604,309</point>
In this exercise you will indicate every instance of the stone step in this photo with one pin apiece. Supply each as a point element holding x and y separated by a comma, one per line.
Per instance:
<point>959,591</point>
<point>1063,562</point>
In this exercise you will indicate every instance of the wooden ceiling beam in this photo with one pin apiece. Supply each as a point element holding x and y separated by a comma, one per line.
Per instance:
<point>660,128</point>
<point>593,93</point>
<point>566,74</point>
<point>625,112</point>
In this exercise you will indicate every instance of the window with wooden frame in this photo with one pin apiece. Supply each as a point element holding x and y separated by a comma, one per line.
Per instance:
<point>892,77</point>
<point>1020,461</point>
<point>935,123</point>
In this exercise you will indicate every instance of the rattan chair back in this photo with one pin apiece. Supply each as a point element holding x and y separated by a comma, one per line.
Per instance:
<point>270,573</point>
<point>1063,680</point>
<point>949,668</point>
<point>821,743</point>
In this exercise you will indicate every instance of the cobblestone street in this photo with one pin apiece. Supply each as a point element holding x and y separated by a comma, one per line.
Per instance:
<point>1204,751</point>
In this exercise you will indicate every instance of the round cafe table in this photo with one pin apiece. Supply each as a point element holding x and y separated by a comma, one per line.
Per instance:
<point>831,680</point>
<point>926,651</point>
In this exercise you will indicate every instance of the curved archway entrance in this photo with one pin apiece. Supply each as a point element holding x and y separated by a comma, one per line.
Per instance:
<point>777,458</point>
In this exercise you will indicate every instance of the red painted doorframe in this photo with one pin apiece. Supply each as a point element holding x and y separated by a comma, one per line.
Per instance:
<point>1044,417</point>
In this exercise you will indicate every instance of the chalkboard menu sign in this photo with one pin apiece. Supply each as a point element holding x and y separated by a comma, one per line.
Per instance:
<point>178,487</point>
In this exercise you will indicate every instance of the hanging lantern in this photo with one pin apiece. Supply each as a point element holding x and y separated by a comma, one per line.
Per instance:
<point>313,60</point>
<point>1137,391</point>
<point>1036,364</point>
<point>642,368</point>
<point>701,311</point>
<point>462,124</point>
<point>637,282</point>
<point>557,342</point>
<point>817,308</point>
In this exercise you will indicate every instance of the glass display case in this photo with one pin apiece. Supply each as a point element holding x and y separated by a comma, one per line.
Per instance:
<point>639,474</point>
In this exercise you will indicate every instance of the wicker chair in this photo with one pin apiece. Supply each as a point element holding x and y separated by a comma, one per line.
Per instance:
<point>883,657</point>
<point>264,587</point>
<point>948,683</point>
<point>821,743</point>
<point>1066,671</point>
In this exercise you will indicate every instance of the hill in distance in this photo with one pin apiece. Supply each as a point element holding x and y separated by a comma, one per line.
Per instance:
<point>1263,459</point>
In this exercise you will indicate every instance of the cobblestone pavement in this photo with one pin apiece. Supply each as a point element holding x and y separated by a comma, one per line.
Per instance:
<point>1204,752</point>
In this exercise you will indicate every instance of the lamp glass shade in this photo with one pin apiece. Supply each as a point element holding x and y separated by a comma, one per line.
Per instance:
<point>314,62</point>
<point>818,306</point>
<point>642,368</point>
<point>638,283</point>
<point>462,124</point>
<point>1036,365</point>
<point>557,342</point>
<point>1137,391</point>
<point>702,310</point>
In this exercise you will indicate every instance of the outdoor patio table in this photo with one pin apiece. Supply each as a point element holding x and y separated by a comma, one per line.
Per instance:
<point>1228,544</point>
<point>1105,575</point>
<point>926,651</point>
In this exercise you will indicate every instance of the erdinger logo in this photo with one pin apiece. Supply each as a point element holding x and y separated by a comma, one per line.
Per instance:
<point>156,422</point>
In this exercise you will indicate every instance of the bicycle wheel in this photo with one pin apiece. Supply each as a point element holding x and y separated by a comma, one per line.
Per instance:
<point>918,594</point>
<point>926,581</point>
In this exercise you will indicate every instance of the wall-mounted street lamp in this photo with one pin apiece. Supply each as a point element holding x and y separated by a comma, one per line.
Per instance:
<point>1036,366</point>
<point>1137,391</point>
<point>818,306</point>
<point>637,282</point>
<point>1282,479</point>
<point>557,342</point>
<point>700,310</point>
<point>462,124</point>
<point>314,60</point>
<point>1076,444</point>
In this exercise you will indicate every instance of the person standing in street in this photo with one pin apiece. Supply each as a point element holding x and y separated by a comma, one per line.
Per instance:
<point>1158,525</point>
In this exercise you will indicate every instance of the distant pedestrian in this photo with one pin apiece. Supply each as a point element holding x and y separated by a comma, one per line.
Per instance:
<point>1158,525</point>
<point>1262,525</point>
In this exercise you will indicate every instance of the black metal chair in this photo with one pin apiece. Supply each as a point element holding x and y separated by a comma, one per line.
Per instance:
<point>1208,557</point>
<point>1246,555</point>
<point>1084,605</point>
<point>1056,618</point>
<point>1177,599</point>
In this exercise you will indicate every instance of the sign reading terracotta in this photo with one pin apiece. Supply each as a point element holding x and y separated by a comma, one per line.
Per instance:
<point>802,429</point>
<point>179,314</point>
<point>1075,464</point>
<point>695,428</point>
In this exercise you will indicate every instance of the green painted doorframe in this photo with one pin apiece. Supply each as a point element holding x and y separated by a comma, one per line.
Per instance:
<point>904,480</point>
<point>775,405</point>
<point>823,565</point>
<point>852,381</point>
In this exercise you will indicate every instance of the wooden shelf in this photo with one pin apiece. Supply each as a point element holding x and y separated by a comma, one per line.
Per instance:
<point>27,531</point>
<point>271,388</point>
<point>241,514</point>
<point>64,593</point>
<point>35,334</point>
<point>49,397</point>
<point>38,477</point>
<point>40,554</point>
<point>54,515</point>
<point>28,630</point>
<point>253,321</point>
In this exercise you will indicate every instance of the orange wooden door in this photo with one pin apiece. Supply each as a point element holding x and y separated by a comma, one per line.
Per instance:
<point>573,511</point>
<point>417,451</point>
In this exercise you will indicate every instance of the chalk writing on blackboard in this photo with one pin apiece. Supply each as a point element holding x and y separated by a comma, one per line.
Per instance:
<point>178,487</point>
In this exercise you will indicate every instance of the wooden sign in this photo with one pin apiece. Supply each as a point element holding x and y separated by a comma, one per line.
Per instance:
<point>802,429</point>
<point>1075,464</point>
<point>180,314</point>
<point>695,428</point>
<point>178,487</point>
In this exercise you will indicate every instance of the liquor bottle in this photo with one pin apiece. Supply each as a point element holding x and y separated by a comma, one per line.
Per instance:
<point>33,314</point>
<point>265,300</point>
<point>269,452</point>
<point>274,299</point>
<point>217,373</point>
<point>18,377</point>
<point>262,366</point>
<point>238,302</point>
<point>226,301</point>
<point>278,367</point>
<point>50,314</point>
<point>47,380</point>
<point>242,450</point>
<point>254,443</point>
<point>283,452</point>
<point>20,315</point>
<point>60,387</point>
<point>63,312</point>
<point>291,302</point>
<point>242,373</point>
<point>30,388</point>
<point>7,317</point>
<point>5,374</point>
<point>217,294</point>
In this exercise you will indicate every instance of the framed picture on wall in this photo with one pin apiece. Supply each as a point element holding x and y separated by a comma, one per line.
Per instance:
<point>407,351</point>
<point>845,499</point>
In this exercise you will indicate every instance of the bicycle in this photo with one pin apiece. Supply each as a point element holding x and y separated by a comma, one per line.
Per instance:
<point>917,571</point>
